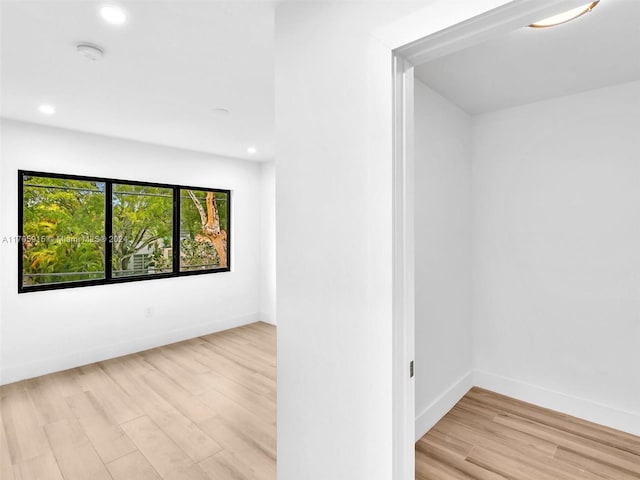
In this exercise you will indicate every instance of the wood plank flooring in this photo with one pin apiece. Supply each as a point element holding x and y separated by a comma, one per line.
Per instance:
<point>205,409</point>
<point>201,409</point>
<point>487,436</point>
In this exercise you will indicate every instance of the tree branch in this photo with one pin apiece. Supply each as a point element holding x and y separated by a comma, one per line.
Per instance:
<point>203,216</point>
<point>213,225</point>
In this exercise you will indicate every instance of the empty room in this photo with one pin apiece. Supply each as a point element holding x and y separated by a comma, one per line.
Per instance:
<point>138,254</point>
<point>527,216</point>
<point>453,188</point>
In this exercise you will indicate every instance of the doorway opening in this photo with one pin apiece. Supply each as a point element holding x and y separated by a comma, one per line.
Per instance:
<point>499,162</point>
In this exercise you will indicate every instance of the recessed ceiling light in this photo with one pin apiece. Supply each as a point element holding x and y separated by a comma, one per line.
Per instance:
<point>90,51</point>
<point>251,150</point>
<point>565,17</point>
<point>47,109</point>
<point>220,111</point>
<point>113,14</point>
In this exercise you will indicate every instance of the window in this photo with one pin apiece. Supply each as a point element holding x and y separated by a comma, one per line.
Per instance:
<point>77,231</point>
<point>203,230</point>
<point>142,225</point>
<point>63,230</point>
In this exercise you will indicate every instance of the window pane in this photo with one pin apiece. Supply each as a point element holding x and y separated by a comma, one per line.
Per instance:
<point>204,227</point>
<point>63,228</point>
<point>142,230</point>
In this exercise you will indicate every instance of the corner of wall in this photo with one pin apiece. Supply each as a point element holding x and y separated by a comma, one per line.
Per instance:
<point>267,318</point>
<point>268,243</point>
<point>431,415</point>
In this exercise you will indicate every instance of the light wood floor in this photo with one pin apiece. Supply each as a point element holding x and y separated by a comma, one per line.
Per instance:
<point>196,410</point>
<point>487,436</point>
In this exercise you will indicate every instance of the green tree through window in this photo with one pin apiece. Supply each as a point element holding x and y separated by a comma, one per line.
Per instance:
<point>142,225</point>
<point>66,235</point>
<point>63,228</point>
<point>203,229</point>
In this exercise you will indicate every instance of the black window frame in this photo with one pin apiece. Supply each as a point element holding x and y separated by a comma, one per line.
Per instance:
<point>108,223</point>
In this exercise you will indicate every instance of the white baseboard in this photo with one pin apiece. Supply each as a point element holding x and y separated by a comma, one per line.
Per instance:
<point>266,318</point>
<point>76,359</point>
<point>577,407</point>
<point>428,417</point>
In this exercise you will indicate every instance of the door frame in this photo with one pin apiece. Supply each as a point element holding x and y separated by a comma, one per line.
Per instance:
<point>449,34</point>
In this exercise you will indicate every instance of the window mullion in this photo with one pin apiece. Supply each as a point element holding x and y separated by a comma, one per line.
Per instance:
<point>176,230</point>
<point>108,231</point>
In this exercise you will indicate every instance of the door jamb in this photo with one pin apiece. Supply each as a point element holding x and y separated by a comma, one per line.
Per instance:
<point>403,271</point>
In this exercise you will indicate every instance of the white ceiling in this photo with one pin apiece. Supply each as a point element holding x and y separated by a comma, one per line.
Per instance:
<point>599,49</point>
<point>161,75</point>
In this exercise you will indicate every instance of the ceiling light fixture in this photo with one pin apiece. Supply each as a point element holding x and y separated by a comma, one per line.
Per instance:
<point>90,51</point>
<point>251,150</point>
<point>47,109</point>
<point>565,17</point>
<point>113,14</point>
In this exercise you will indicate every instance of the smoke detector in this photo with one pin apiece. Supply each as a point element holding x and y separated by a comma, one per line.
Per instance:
<point>90,51</point>
<point>221,112</point>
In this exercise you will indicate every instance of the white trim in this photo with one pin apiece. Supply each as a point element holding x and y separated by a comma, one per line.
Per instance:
<point>600,414</point>
<point>403,272</point>
<point>561,402</point>
<point>432,414</point>
<point>483,22</point>
<point>75,359</point>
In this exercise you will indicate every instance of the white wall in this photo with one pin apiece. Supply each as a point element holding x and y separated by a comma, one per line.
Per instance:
<point>48,331</point>
<point>443,333</point>
<point>333,200</point>
<point>334,230</point>
<point>268,243</point>
<point>556,226</point>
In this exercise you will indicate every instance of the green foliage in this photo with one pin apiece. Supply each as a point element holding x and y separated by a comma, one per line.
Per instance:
<point>195,255</point>
<point>63,224</point>
<point>142,223</point>
<point>222,200</point>
<point>161,260</point>
<point>190,223</point>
